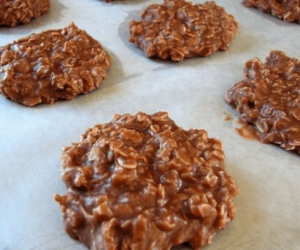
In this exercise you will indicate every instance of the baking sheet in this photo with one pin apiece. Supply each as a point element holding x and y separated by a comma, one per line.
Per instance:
<point>191,91</point>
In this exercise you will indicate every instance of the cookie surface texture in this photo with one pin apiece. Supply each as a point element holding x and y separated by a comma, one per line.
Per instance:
<point>142,182</point>
<point>288,10</point>
<point>13,12</point>
<point>52,65</point>
<point>268,99</point>
<point>177,29</point>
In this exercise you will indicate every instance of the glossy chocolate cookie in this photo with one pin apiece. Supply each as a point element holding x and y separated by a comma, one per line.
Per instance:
<point>13,12</point>
<point>177,29</point>
<point>52,65</point>
<point>288,10</point>
<point>141,182</point>
<point>268,99</point>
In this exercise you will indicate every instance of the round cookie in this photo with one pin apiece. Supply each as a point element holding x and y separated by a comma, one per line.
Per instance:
<point>13,12</point>
<point>288,10</point>
<point>141,182</point>
<point>268,99</point>
<point>52,65</point>
<point>177,29</point>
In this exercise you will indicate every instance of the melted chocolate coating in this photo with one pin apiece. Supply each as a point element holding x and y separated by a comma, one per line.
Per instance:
<point>288,10</point>
<point>268,98</point>
<point>13,12</point>
<point>52,65</point>
<point>177,29</point>
<point>141,182</point>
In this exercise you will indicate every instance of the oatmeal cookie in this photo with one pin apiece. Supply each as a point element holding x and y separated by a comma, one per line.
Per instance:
<point>177,29</point>
<point>288,10</point>
<point>268,99</point>
<point>13,12</point>
<point>141,182</point>
<point>52,65</point>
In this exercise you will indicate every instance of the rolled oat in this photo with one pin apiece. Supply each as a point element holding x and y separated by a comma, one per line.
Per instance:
<point>288,10</point>
<point>52,65</point>
<point>141,182</point>
<point>13,12</point>
<point>269,99</point>
<point>177,29</point>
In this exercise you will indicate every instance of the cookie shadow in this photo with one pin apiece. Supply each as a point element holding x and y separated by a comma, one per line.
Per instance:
<point>235,48</point>
<point>54,15</point>
<point>250,212</point>
<point>115,76</point>
<point>123,33</point>
<point>108,88</point>
<point>242,42</point>
<point>116,73</point>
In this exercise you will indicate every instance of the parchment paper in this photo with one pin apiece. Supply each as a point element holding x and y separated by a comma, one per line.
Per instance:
<point>191,91</point>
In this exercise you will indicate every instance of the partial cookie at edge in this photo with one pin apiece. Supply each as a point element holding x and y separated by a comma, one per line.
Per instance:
<point>14,12</point>
<point>289,10</point>
<point>269,99</point>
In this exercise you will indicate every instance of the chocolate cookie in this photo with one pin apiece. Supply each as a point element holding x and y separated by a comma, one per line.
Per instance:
<point>177,29</point>
<point>288,10</point>
<point>141,182</point>
<point>268,99</point>
<point>52,65</point>
<point>13,12</point>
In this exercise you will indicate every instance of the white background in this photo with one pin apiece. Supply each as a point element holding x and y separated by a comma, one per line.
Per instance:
<point>191,91</point>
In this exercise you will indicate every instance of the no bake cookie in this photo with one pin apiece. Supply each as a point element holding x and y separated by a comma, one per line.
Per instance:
<point>52,65</point>
<point>13,12</point>
<point>177,29</point>
<point>269,99</point>
<point>288,10</point>
<point>141,182</point>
